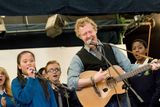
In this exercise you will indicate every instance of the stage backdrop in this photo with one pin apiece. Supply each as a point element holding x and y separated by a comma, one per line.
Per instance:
<point>62,54</point>
<point>76,7</point>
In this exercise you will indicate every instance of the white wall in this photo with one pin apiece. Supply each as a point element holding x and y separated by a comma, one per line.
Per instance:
<point>62,54</point>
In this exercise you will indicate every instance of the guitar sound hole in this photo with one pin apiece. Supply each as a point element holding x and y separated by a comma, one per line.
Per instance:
<point>105,89</point>
<point>110,81</point>
<point>109,78</point>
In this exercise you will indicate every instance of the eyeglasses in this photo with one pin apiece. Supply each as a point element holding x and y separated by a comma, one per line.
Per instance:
<point>54,70</point>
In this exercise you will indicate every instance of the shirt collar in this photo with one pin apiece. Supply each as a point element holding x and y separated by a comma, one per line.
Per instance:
<point>2,92</point>
<point>145,62</point>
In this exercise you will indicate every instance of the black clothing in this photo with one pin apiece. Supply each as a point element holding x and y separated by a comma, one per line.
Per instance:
<point>91,62</point>
<point>68,97</point>
<point>147,86</point>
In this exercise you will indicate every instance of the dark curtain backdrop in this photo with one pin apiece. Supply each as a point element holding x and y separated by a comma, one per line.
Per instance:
<point>76,7</point>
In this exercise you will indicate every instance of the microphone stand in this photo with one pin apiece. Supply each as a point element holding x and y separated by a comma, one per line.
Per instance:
<point>127,86</point>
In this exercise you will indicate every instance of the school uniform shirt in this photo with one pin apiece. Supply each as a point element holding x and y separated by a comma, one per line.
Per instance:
<point>9,100</point>
<point>32,94</point>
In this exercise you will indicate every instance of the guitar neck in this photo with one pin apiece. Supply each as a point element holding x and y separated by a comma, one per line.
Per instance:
<point>133,73</point>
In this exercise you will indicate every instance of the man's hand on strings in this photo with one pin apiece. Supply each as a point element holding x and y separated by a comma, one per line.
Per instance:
<point>99,76</point>
<point>155,64</point>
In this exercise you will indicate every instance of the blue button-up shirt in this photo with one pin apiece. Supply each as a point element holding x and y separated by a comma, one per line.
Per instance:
<point>76,66</point>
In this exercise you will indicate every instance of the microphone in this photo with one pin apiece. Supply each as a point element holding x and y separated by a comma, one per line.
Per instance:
<point>32,70</point>
<point>91,42</point>
<point>65,87</point>
<point>59,85</point>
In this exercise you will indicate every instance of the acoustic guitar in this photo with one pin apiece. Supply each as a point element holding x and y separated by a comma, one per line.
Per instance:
<point>113,84</point>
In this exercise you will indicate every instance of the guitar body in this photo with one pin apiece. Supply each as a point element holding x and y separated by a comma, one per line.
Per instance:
<point>89,98</point>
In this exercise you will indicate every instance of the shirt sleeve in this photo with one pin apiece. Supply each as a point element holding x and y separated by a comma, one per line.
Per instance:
<point>74,70</point>
<point>23,95</point>
<point>9,101</point>
<point>123,60</point>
